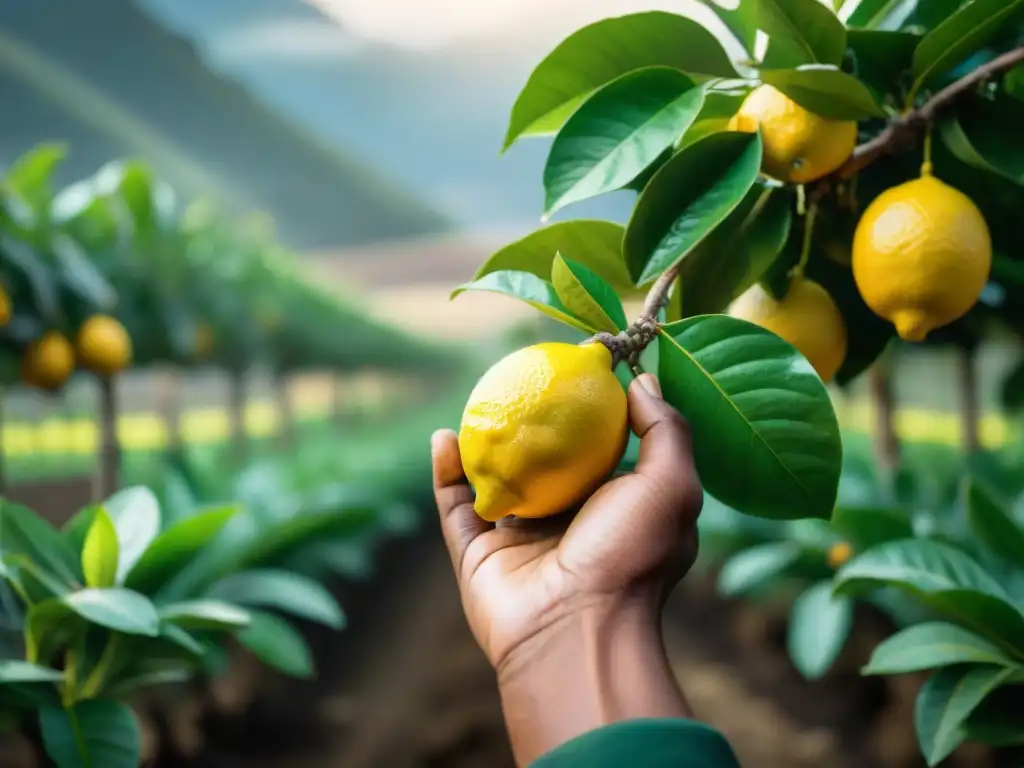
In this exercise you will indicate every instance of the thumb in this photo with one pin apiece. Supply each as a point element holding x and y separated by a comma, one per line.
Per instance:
<point>666,452</point>
<point>454,497</point>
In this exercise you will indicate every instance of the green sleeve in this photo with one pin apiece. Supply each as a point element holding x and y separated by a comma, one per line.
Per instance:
<point>648,743</point>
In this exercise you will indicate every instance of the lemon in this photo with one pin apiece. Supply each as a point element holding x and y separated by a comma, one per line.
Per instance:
<point>799,146</point>
<point>921,256</point>
<point>5,307</point>
<point>807,318</point>
<point>103,345</point>
<point>48,361</point>
<point>542,429</point>
<point>838,554</point>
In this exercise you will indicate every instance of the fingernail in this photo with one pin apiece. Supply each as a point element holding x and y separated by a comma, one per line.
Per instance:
<point>650,384</point>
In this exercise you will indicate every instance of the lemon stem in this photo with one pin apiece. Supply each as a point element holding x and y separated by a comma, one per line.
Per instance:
<point>797,272</point>
<point>926,166</point>
<point>801,200</point>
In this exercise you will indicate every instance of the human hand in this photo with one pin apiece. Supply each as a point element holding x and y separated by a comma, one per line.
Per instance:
<point>530,585</point>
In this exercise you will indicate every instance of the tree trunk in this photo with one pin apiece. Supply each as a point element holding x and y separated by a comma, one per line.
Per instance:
<point>969,414</point>
<point>887,444</point>
<point>236,406</point>
<point>106,480</point>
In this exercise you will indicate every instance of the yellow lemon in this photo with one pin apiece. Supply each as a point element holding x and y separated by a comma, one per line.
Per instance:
<point>103,345</point>
<point>921,256</point>
<point>48,361</point>
<point>5,307</point>
<point>799,146</point>
<point>807,318</point>
<point>542,429</point>
<point>838,554</point>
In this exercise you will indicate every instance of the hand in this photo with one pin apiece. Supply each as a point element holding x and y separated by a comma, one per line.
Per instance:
<point>595,578</point>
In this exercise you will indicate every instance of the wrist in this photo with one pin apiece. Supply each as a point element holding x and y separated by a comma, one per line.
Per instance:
<point>600,664</point>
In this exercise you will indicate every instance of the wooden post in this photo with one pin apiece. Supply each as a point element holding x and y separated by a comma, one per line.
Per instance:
<point>969,415</point>
<point>106,479</point>
<point>286,414</point>
<point>236,407</point>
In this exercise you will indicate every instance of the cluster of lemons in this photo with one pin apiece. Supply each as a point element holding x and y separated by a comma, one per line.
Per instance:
<point>102,346</point>
<point>921,251</point>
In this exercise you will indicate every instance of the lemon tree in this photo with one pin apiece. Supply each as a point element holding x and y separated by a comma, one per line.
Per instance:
<point>809,182</point>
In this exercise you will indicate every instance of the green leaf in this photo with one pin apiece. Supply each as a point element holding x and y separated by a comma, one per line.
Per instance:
<point>975,137</point>
<point>874,14</point>
<point>81,274</point>
<point>756,566</point>
<point>157,678</point>
<point>960,35</point>
<point>594,243</point>
<point>825,91</point>
<point>22,257</point>
<point>819,624</point>
<point>118,609</point>
<point>932,645</point>
<point>718,108</point>
<point>49,626</point>
<point>945,702</point>
<point>752,397</point>
<point>881,58</point>
<point>535,291</point>
<point>942,578</point>
<point>864,527</point>
<point>100,552</point>
<point>77,528</point>
<point>741,21</point>
<point>135,513</point>
<point>617,133</point>
<point>738,252</point>
<point>284,591</point>
<point>31,175</point>
<point>692,194</point>
<point>24,532</point>
<point>587,296</point>
<point>205,614</point>
<point>601,52</point>
<point>993,526</point>
<point>91,734</point>
<point>13,672</point>
<point>801,32</point>
<point>176,547</point>
<point>996,721</point>
<point>276,643</point>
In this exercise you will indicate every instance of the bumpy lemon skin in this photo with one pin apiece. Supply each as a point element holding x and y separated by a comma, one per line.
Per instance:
<point>799,146</point>
<point>103,345</point>
<point>807,318</point>
<point>48,362</point>
<point>922,254</point>
<point>542,429</point>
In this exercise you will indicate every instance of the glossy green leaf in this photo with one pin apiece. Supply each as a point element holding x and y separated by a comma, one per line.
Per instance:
<point>49,626</point>
<point>960,35</point>
<point>975,136</point>
<point>31,175</point>
<point>23,258</point>
<point>932,645</point>
<point>13,671</point>
<point>121,610</point>
<point>945,580</point>
<point>715,113</point>
<point>801,32</point>
<point>23,532</point>
<point>77,527</point>
<point>100,552</point>
<point>880,58</point>
<point>594,243</point>
<point>276,643</point>
<point>604,50</point>
<point>284,591</point>
<point>865,527</point>
<point>993,526</point>
<point>79,272</point>
<point>752,397</point>
<point>617,133</point>
<point>741,20</point>
<point>756,566</point>
<point>945,702</point>
<point>826,91</point>
<point>691,195</point>
<point>587,296</point>
<point>874,14</point>
<point>135,513</point>
<point>205,614</point>
<point>535,291</point>
<point>91,734</point>
<point>128,685</point>
<point>173,549</point>
<point>738,252</point>
<point>819,624</point>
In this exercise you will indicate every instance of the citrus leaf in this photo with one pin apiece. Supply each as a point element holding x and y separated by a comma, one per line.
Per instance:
<point>284,591</point>
<point>975,136</point>
<point>873,14</point>
<point>23,532</point>
<point>587,296</point>
<point>100,552</point>
<point>993,526</point>
<point>715,113</point>
<point>741,21</point>
<point>30,176</point>
<point>932,645</point>
<point>205,614</point>
<point>81,275</point>
<point>49,625</point>
<point>996,721</point>
<point>604,50</point>
<point>942,578</point>
<point>961,34</point>
<point>819,624</point>
<point>276,643</point>
<point>755,567</point>
<point>944,703</point>
<point>119,609</point>
<point>880,57</point>
<point>536,292</point>
<point>691,195</point>
<point>13,671</point>
<point>801,32</point>
<point>753,397</point>
<point>594,243</point>
<point>865,527</point>
<point>91,734</point>
<point>135,513</point>
<point>825,91</point>
<point>617,133</point>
